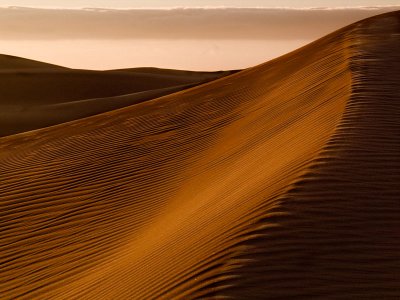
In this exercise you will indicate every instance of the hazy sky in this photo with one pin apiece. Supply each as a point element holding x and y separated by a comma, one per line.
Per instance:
<point>202,39</point>
<point>195,3</point>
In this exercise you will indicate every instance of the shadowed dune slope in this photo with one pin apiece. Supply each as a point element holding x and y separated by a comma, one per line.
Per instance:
<point>278,182</point>
<point>35,95</point>
<point>9,62</point>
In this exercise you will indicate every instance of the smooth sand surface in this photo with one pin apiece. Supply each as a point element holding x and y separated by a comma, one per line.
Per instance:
<point>278,182</point>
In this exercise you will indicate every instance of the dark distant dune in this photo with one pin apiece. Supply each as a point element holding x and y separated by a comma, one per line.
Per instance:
<point>35,95</point>
<point>278,182</point>
<point>14,63</point>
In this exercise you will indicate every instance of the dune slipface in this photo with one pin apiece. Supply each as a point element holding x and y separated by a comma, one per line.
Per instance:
<point>278,182</point>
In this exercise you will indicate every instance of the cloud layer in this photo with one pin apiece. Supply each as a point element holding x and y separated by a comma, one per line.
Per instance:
<point>178,23</point>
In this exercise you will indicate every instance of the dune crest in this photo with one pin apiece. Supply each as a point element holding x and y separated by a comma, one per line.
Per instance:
<point>280,181</point>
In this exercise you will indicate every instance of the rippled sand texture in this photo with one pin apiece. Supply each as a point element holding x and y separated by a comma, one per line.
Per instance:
<point>278,182</point>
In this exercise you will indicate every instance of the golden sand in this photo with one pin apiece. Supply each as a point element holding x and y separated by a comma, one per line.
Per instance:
<point>278,182</point>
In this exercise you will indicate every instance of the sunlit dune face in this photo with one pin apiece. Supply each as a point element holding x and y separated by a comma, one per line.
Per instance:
<point>276,182</point>
<point>280,181</point>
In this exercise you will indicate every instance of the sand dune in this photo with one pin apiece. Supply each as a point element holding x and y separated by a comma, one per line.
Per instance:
<point>277,182</point>
<point>13,63</point>
<point>36,95</point>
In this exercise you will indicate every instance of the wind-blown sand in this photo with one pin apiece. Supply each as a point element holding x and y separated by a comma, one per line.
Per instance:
<point>278,182</point>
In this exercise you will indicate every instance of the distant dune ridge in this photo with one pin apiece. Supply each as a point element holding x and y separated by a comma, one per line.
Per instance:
<point>277,182</point>
<point>36,95</point>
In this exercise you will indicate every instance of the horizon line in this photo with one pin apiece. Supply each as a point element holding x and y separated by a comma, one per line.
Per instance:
<point>202,8</point>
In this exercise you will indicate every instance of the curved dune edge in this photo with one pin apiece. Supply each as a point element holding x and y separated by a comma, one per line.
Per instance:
<point>11,62</point>
<point>279,181</point>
